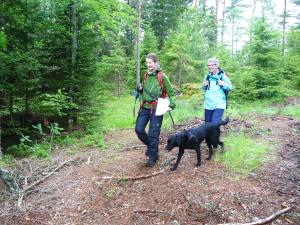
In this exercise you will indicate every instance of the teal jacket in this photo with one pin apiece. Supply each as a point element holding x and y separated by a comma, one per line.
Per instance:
<point>152,90</point>
<point>214,97</point>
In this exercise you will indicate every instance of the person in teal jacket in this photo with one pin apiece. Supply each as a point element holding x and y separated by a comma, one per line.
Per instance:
<point>215,84</point>
<point>150,92</point>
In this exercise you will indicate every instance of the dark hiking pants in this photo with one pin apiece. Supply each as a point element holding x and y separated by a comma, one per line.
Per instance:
<point>152,138</point>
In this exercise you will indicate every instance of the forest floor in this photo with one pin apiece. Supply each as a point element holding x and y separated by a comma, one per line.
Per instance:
<point>112,186</point>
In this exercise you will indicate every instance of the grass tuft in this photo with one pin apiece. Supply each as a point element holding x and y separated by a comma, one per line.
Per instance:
<point>243,154</point>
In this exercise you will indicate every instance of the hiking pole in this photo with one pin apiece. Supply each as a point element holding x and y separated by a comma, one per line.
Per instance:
<point>171,118</point>
<point>136,95</point>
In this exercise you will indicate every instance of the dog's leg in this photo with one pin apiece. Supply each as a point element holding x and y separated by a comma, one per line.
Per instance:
<point>180,154</point>
<point>222,145</point>
<point>210,151</point>
<point>198,152</point>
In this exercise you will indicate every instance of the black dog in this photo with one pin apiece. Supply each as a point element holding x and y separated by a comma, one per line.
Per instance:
<point>192,138</point>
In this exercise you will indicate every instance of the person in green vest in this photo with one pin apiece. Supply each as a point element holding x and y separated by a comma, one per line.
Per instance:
<point>155,85</point>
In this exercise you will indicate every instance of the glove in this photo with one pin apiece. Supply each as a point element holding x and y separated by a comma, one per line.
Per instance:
<point>139,89</point>
<point>172,105</point>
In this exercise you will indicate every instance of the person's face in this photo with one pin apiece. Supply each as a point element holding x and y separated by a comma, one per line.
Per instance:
<point>150,64</point>
<point>212,67</point>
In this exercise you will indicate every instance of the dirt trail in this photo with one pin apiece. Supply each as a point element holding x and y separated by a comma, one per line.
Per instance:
<point>210,194</point>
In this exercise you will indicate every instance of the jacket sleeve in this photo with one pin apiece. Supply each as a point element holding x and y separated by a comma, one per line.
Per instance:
<point>170,91</point>
<point>203,87</point>
<point>228,86</point>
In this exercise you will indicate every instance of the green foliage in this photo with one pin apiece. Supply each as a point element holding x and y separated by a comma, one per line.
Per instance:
<point>292,58</point>
<point>164,16</point>
<point>149,44</point>
<point>292,111</point>
<point>265,46</point>
<point>118,113</point>
<point>55,104</point>
<point>3,40</point>
<point>243,154</point>
<point>7,159</point>
<point>189,89</point>
<point>30,147</point>
<point>22,149</point>
<point>262,78</point>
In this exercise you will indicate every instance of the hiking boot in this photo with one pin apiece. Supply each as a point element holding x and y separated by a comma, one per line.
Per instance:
<point>150,163</point>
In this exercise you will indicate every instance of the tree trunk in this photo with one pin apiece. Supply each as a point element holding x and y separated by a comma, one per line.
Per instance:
<point>137,42</point>
<point>217,11</point>
<point>223,23</point>
<point>11,103</point>
<point>251,20</point>
<point>232,36</point>
<point>283,29</point>
<point>119,84</point>
<point>73,57</point>
<point>26,108</point>
<point>195,4</point>
<point>179,75</point>
<point>1,154</point>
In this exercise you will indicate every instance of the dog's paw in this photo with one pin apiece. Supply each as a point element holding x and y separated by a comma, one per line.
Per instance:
<point>198,164</point>
<point>173,168</point>
<point>208,158</point>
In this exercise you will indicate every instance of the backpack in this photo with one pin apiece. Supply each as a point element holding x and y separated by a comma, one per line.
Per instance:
<point>160,81</point>
<point>225,91</point>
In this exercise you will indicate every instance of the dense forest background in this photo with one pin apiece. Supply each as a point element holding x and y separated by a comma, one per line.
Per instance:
<point>62,60</point>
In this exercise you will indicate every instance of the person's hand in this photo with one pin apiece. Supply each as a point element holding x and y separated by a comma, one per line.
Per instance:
<point>221,83</point>
<point>139,89</point>
<point>205,83</point>
<point>172,106</point>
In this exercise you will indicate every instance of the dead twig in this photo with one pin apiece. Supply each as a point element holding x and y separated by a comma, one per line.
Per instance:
<point>149,211</point>
<point>135,178</point>
<point>23,193</point>
<point>263,221</point>
<point>133,148</point>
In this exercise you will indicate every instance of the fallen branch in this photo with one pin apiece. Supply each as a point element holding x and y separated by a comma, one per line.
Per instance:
<point>263,221</point>
<point>149,211</point>
<point>134,147</point>
<point>23,193</point>
<point>135,178</point>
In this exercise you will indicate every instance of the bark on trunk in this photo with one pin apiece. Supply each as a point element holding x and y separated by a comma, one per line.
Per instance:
<point>283,29</point>
<point>73,57</point>
<point>137,42</point>
<point>223,23</point>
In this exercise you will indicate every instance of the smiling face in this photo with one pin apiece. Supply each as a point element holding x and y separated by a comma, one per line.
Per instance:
<point>151,65</point>
<point>212,67</point>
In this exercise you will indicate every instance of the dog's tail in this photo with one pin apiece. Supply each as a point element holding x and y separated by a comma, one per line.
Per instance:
<point>224,122</point>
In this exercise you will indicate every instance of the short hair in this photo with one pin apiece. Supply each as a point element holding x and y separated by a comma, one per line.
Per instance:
<point>213,60</point>
<point>152,56</point>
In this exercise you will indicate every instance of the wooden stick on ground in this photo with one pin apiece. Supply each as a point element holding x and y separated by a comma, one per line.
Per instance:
<point>22,193</point>
<point>137,177</point>
<point>149,211</point>
<point>263,221</point>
